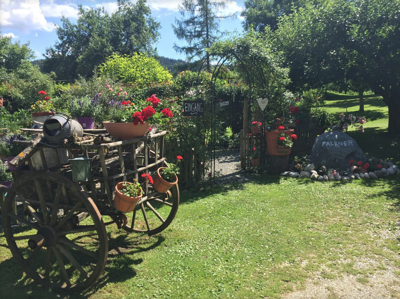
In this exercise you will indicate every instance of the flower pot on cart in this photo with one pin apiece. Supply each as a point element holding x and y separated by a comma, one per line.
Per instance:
<point>161,185</point>
<point>124,131</point>
<point>122,202</point>
<point>272,139</point>
<point>86,122</point>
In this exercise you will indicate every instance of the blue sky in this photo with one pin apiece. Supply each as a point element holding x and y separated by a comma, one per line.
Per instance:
<point>35,21</point>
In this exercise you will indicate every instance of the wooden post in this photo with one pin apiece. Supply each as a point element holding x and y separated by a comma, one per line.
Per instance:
<point>245,132</point>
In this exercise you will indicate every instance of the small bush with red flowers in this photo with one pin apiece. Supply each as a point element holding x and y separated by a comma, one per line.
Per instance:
<point>286,140</point>
<point>44,104</point>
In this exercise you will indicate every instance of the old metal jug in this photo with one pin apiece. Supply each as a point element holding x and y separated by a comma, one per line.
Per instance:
<point>59,127</point>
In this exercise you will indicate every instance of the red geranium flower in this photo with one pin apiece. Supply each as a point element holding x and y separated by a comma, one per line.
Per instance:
<point>167,112</point>
<point>42,92</point>
<point>254,148</point>
<point>359,163</point>
<point>125,103</point>
<point>351,162</point>
<point>281,138</point>
<point>281,128</point>
<point>379,166</point>
<point>137,118</point>
<point>154,101</point>
<point>366,165</point>
<point>179,157</point>
<point>148,177</point>
<point>294,136</point>
<point>47,98</point>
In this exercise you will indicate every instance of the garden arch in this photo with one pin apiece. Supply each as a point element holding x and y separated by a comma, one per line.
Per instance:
<point>258,67</point>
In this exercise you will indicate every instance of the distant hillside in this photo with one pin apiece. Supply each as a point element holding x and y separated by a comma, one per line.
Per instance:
<point>173,65</point>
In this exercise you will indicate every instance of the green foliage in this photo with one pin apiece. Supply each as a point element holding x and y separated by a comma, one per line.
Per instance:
<point>137,69</point>
<point>131,189</point>
<point>96,35</point>
<point>12,55</point>
<point>4,175</point>
<point>284,140</point>
<point>10,149</point>
<point>14,121</point>
<point>84,107</point>
<point>324,118</point>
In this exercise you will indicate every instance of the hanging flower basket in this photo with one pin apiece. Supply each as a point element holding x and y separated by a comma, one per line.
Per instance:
<point>161,185</point>
<point>122,202</point>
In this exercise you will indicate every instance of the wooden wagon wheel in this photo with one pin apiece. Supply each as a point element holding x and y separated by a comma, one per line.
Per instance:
<point>63,244</point>
<point>154,214</point>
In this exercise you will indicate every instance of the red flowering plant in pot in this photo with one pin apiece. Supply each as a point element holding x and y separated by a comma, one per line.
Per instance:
<point>166,177</point>
<point>255,127</point>
<point>127,195</point>
<point>41,109</point>
<point>134,118</point>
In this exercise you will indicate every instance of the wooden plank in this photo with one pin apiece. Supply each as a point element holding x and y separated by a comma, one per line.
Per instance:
<point>105,175</point>
<point>121,161</point>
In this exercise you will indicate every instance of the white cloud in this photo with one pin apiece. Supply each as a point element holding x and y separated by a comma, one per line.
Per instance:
<point>162,4</point>
<point>24,15</point>
<point>55,10</point>
<point>36,34</point>
<point>109,7</point>
<point>12,35</point>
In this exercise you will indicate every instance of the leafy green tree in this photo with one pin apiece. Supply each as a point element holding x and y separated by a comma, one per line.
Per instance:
<point>96,35</point>
<point>353,40</point>
<point>12,55</point>
<point>199,27</point>
<point>261,13</point>
<point>138,69</point>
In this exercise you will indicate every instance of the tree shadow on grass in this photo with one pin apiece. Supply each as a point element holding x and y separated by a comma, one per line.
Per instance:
<point>119,267</point>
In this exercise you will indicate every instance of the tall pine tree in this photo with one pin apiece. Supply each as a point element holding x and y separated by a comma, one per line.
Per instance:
<point>201,28</point>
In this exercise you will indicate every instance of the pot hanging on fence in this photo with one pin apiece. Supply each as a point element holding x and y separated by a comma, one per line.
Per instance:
<point>162,185</point>
<point>272,139</point>
<point>122,202</point>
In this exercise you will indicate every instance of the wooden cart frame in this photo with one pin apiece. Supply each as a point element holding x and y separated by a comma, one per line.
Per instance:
<point>63,242</point>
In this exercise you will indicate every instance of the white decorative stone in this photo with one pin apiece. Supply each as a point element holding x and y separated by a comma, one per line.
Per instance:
<point>345,178</point>
<point>326,178</point>
<point>338,177</point>
<point>313,172</point>
<point>293,174</point>
<point>331,177</point>
<point>304,174</point>
<point>366,176</point>
<point>357,176</point>
<point>372,175</point>
<point>361,175</point>
<point>309,167</point>
<point>391,171</point>
<point>352,177</point>
<point>285,173</point>
<point>314,176</point>
<point>396,169</point>
<point>383,169</point>
<point>320,178</point>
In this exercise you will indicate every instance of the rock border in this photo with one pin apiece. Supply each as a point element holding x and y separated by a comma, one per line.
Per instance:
<point>311,173</point>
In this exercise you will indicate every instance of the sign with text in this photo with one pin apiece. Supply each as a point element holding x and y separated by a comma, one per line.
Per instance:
<point>223,104</point>
<point>193,108</point>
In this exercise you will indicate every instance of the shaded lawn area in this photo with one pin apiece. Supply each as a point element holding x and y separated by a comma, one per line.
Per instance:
<point>261,239</point>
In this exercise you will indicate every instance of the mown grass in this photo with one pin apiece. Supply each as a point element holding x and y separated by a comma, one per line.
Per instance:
<point>258,240</point>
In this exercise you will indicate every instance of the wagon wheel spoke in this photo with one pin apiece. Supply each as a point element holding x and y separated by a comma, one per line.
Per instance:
<point>77,247</point>
<point>21,219</point>
<point>157,212</point>
<point>73,261</point>
<point>53,218</point>
<point>58,262</point>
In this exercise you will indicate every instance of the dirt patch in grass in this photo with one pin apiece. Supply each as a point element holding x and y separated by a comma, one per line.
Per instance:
<point>383,283</point>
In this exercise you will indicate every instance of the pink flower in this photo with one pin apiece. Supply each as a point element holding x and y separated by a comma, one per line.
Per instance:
<point>107,86</point>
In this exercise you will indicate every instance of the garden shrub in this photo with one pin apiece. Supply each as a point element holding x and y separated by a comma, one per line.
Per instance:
<point>137,69</point>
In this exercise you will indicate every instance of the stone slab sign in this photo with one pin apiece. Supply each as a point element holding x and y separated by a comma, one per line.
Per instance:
<point>335,150</point>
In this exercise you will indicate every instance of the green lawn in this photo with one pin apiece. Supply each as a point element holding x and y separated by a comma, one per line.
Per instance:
<point>262,239</point>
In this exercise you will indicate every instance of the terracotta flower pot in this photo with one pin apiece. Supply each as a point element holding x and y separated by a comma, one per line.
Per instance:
<point>124,131</point>
<point>255,130</point>
<point>255,162</point>
<point>272,139</point>
<point>40,117</point>
<point>122,202</point>
<point>161,185</point>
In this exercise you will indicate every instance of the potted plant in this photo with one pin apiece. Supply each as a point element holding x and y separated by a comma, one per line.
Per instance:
<point>133,119</point>
<point>127,195</point>
<point>41,108</point>
<point>255,157</point>
<point>346,121</point>
<point>273,137</point>
<point>284,143</point>
<point>5,176</point>
<point>9,150</point>
<point>323,119</point>
<point>166,177</point>
<point>255,127</point>
<point>84,110</point>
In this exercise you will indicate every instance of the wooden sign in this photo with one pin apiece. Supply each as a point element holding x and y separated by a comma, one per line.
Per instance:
<point>222,104</point>
<point>262,103</point>
<point>193,108</point>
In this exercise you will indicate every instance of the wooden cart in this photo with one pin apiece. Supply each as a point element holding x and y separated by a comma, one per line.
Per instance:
<point>61,240</point>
